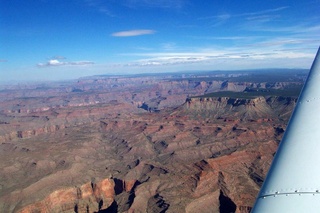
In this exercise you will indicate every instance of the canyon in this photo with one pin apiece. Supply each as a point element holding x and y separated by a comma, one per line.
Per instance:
<point>147,143</point>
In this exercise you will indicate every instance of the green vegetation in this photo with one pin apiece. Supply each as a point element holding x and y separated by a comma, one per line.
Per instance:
<point>253,93</point>
<point>256,76</point>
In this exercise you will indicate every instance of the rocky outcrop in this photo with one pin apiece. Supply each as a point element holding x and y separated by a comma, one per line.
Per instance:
<point>240,108</point>
<point>235,193</point>
<point>27,125</point>
<point>90,197</point>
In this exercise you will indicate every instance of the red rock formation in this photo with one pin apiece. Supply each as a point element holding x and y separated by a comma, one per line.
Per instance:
<point>90,197</point>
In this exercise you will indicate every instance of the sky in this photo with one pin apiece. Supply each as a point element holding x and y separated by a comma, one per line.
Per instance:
<point>66,39</point>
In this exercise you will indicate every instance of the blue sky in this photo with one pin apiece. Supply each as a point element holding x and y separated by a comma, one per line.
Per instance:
<point>64,39</point>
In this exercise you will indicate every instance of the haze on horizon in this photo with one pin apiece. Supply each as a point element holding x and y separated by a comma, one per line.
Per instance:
<point>57,40</point>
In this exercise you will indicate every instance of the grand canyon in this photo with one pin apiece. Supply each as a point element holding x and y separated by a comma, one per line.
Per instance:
<point>172,142</point>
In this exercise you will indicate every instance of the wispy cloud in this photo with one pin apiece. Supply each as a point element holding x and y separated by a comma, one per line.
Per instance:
<point>250,54</point>
<point>262,18</point>
<point>106,11</point>
<point>81,63</point>
<point>258,15</point>
<point>293,29</point>
<point>233,38</point>
<point>100,7</point>
<point>313,29</point>
<point>56,62</point>
<point>262,12</point>
<point>106,7</point>
<point>3,60</point>
<point>168,46</point>
<point>59,57</point>
<point>169,60</point>
<point>131,33</point>
<point>175,4</point>
<point>282,42</point>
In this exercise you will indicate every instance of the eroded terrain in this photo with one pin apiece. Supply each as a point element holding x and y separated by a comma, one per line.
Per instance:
<point>140,144</point>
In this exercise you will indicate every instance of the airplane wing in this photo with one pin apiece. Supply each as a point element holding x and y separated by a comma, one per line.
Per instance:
<point>293,181</point>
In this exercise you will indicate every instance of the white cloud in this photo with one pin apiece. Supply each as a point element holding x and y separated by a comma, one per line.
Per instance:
<point>56,62</point>
<point>211,57</point>
<point>133,33</point>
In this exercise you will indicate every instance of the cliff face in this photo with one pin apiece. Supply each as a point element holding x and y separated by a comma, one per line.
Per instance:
<point>28,124</point>
<point>89,197</point>
<point>237,108</point>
